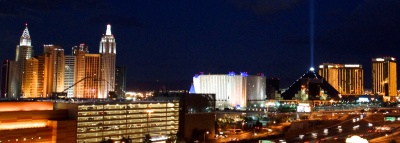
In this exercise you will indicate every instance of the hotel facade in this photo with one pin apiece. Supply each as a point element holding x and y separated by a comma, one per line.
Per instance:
<point>384,76</point>
<point>347,79</point>
<point>231,90</point>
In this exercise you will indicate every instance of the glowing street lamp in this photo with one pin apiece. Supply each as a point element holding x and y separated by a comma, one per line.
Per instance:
<point>205,136</point>
<point>331,108</point>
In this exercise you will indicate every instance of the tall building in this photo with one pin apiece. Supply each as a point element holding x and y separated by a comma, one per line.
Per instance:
<point>24,51</point>
<point>107,55</point>
<point>384,76</point>
<point>69,75</point>
<point>120,81</point>
<point>91,84</point>
<point>30,80</point>
<point>347,79</point>
<point>41,71</point>
<point>9,82</point>
<point>231,90</point>
<point>53,69</point>
<point>272,87</point>
<point>79,69</point>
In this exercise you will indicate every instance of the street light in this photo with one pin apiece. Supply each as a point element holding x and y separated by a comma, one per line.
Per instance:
<point>331,109</point>
<point>205,136</point>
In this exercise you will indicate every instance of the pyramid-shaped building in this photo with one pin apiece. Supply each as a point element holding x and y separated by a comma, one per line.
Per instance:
<point>311,86</point>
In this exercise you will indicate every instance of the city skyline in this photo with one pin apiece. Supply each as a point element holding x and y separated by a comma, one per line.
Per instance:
<point>170,42</point>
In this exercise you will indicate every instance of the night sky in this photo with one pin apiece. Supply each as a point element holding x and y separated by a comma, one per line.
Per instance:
<point>166,42</point>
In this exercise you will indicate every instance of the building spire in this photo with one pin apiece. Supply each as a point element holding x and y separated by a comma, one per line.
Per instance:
<point>25,38</point>
<point>108,32</point>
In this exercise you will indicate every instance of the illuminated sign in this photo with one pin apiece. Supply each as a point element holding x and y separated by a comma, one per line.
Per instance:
<point>390,118</point>
<point>265,141</point>
<point>351,66</point>
<point>303,109</point>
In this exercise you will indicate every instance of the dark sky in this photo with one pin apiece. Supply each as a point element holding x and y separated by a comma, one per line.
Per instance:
<point>171,40</point>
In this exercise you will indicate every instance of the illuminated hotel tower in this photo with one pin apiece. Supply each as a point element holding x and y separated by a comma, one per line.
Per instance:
<point>347,79</point>
<point>24,51</point>
<point>231,90</point>
<point>69,75</point>
<point>53,69</point>
<point>30,80</point>
<point>91,84</point>
<point>79,69</point>
<point>107,61</point>
<point>384,76</point>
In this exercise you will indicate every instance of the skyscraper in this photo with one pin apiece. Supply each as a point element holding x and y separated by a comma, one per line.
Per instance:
<point>41,71</point>
<point>24,51</point>
<point>69,75</point>
<point>107,61</point>
<point>79,66</point>
<point>54,69</point>
<point>30,80</point>
<point>91,84</point>
<point>384,76</point>
<point>120,81</point>
<point>347,79</point>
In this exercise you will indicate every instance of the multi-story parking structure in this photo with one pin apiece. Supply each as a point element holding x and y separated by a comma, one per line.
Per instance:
<point>100,121</point>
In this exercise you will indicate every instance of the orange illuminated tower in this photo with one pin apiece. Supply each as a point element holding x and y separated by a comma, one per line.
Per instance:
<point>348,79</point>
<point>384,76</point>
<point>30,80</point>
<point>91,83</point>
<point>107,61</point>
<point>79,69</point>
<point>54,67</point>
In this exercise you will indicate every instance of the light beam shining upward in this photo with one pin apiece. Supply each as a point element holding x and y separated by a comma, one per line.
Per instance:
<point>312,34</point>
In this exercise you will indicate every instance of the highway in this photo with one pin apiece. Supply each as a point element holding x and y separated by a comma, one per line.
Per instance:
<point>338,133</point>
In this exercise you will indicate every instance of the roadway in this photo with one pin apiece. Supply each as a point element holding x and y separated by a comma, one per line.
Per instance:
<point>334,134</point>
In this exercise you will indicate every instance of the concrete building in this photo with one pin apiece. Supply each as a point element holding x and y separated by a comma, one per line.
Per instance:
<point>99,121</point>
<point>347,79</point>
<point>231,90</point>
<point>88,121</point>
